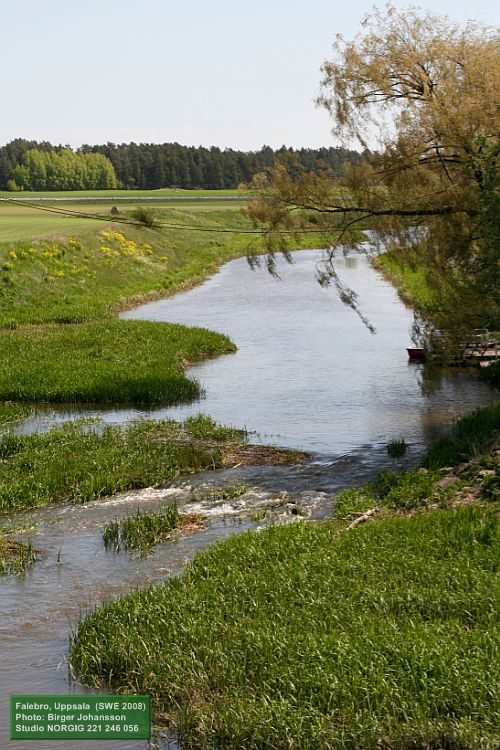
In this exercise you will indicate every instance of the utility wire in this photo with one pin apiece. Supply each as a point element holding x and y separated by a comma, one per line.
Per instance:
<point>96,217</point>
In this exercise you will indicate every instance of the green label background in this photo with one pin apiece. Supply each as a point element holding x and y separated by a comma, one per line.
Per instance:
<point>93,729</point>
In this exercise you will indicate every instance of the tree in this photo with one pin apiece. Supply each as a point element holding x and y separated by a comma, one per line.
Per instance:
<point>427,92</point>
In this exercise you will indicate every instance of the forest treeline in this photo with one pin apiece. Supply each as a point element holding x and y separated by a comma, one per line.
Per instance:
<point>32,165</point>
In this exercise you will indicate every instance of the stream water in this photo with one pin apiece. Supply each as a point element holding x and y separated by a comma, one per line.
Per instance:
<point>307,375</point>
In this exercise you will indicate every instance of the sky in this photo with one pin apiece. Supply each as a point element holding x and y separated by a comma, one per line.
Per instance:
<point>226,73</point>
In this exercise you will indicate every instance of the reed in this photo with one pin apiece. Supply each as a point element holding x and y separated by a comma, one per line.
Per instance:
<point>15,557</point>
<point>142,530</point>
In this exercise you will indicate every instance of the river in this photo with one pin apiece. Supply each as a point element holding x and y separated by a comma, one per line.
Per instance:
<point>307,374</point>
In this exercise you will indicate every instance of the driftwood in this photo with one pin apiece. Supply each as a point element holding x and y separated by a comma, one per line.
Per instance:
<point>364,517</point>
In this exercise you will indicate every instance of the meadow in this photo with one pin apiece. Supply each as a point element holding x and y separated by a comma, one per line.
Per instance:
<point>123,194</point>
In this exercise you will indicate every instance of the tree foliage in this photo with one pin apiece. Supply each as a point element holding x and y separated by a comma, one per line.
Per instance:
<point>62,170</point>
<point>427,91</point>
<point>148,166</point>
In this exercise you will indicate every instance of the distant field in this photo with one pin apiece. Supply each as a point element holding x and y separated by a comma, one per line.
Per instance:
<point>111,194</point>
<point>23,222</point>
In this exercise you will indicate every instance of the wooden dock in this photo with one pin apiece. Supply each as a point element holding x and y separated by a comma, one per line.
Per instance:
<point>481,349</point>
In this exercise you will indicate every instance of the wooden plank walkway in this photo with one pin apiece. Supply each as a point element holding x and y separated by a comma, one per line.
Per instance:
<point>481,349</point>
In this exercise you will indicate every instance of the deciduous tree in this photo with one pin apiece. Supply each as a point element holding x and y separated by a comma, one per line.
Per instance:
<point>424,93</point>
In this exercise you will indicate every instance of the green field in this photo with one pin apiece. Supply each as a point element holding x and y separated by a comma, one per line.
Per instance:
<point>26,221</point>
<point>162,193</point>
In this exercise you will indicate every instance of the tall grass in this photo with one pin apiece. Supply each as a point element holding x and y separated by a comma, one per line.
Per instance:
<point>142,530</point>
<point>79,461</point>
<point>310,637</point>
<point>111,361</point>
<point>15,557</point>
<point>12,413</point>
<point>467,437</point>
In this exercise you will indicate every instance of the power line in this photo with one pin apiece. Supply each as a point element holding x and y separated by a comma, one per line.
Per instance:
<point>190,228</point>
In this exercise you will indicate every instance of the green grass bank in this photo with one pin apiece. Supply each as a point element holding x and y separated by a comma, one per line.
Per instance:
<point>97,268</point>
<point>105,362</point>
<point>81,461</point>
<point>408,279</point>
<point>321,636</point>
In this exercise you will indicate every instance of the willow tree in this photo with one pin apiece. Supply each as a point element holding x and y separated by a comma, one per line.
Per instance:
<point>426,92</point>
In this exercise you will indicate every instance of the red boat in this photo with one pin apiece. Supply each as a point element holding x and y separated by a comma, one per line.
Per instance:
<point>416,355</point>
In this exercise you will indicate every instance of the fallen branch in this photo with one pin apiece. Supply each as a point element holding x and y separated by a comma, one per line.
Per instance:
<point>364,517</point>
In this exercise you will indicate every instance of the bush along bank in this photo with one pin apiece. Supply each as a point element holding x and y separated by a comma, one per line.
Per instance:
<point>339,634</point>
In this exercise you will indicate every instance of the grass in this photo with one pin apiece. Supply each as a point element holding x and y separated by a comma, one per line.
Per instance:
<point>409,281</point>
<point>12,413</point>
<point>308,636</point>
<point>93,272</point>
<point>320,637</point>
<point>83,461</point>
<point>144,529</point>
<point>396,448</point>
<point>111,361</point>
<point>14,557</point>
<point>467,438</point>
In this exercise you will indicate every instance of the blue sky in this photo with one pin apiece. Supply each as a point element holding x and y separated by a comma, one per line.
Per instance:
<point>230,74</point>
